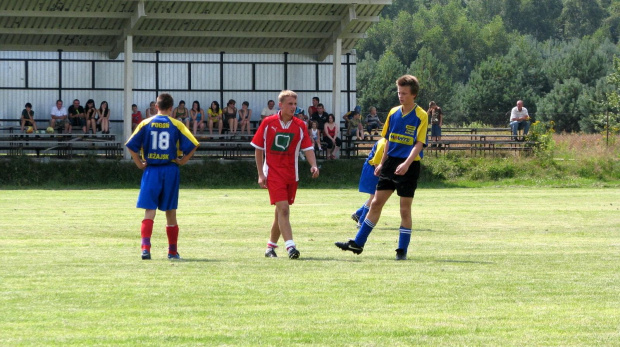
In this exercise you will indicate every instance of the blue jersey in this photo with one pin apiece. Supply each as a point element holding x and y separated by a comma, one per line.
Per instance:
<point>403,131</point>
<point>161,139</point>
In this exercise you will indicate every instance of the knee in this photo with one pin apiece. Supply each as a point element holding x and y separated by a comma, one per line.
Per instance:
<point>284,211</point>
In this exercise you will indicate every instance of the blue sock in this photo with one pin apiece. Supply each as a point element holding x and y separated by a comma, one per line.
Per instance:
<point>359,211</point>
<point>404,238</point>
<point>362,234</point>
<point>365,210</point>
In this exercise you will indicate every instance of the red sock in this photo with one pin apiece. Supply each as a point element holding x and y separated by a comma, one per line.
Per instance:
<point>146,231</point>
<point>173,235</point>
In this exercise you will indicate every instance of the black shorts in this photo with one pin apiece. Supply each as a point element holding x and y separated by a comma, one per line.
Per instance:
<point>404,185</point>
<point>330,143</point>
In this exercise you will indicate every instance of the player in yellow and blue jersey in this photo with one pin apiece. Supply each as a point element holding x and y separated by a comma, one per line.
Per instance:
<point>405,131</point>
<point>158,146</point>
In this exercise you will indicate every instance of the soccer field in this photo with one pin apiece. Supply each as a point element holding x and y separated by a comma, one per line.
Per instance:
<point>486,267</point>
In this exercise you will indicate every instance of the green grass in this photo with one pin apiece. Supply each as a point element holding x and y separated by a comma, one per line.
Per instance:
<point>487,267</point>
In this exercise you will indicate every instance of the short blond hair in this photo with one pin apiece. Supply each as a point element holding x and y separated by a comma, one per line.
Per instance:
<point>411,81</point>
<point>286,93</point>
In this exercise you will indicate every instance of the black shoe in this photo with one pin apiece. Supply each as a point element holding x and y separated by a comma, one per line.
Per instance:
<point>293,253</point>
<point>270,253</point>
<point>355,217</point>
<point>401,254</point>
<point>350,246</point>
<point>146,255</point>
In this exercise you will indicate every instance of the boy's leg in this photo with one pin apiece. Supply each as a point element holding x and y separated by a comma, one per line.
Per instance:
<point>172,231</point>
<point>405,226</point>
<point>372,218</point>
<point>146,230</point>
<point>366,208</point>
<point>274,236</point>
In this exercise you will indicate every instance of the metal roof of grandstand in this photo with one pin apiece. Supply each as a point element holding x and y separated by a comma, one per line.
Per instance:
<point>187,26</point>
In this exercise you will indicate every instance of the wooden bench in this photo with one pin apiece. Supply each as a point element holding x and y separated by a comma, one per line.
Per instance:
<point>61,146</point>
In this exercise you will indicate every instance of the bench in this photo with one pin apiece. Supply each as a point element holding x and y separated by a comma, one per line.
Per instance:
<point>61,146</point>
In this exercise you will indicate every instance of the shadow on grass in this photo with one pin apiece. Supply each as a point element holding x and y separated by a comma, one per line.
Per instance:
<point>328,259</point>
<point>194,260</point>
<point>463,261</point>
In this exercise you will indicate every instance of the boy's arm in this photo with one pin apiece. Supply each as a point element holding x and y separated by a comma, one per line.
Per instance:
<point>258,156</point>
<point>137,160</point>
<point>186,157</point>
<point>383,158</point>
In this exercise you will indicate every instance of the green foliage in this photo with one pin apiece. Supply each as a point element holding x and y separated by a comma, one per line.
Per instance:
<point>542,134</point>
<point>476,58</point>
<point>609,118</point>
<point>381,89</point>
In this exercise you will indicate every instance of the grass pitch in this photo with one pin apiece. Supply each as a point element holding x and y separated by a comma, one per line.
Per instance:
<point>486,267</point>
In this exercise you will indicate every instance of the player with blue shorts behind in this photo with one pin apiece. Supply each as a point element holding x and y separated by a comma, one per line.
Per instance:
<point>368,179</point>
<point>158,146</point>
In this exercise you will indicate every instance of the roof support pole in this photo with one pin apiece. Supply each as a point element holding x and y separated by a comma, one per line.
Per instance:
<point>336,81</point>
<point>127,93</point>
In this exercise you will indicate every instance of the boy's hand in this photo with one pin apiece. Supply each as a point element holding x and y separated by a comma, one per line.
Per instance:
<point>262,181</point>
<point>315,171</point>
<point>402,169</point>
<point>378,170</point>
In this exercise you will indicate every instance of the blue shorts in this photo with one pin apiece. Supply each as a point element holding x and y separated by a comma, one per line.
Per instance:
<point>160,187</point>
<point>435,130</point>
<point>368,180</point>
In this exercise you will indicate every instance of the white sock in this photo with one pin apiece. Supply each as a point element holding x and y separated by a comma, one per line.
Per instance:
<point>289,244</point>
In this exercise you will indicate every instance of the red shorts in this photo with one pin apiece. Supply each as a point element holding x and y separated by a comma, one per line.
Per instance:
<point>280,191</point>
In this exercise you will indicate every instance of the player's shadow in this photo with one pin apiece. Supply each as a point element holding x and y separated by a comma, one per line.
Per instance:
<point>197,260</point>
<point>463,261</point>
<point>328,259</point>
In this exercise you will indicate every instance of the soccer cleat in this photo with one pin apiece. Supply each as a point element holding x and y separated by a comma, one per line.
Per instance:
<point>293,253</point>
<point>350,246</point>
<point>270,253</point>
<point>146,255</point>
<point>174,256</point>
<point>356,218</point>
<point>401,254</point>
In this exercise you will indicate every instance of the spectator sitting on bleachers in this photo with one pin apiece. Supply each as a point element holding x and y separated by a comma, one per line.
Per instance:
<point>349,115</point>
<point>90,116</point>
<point>245,114</point>
<point>197,117</point>
<point>331,137</point>
<point>76,115</point>
<point>313,109</point>
<point>104,117</point>
<point>28,117</point>
<point>320,116</point>
<point>59,117</point>
<point>355,126</point>
<point>136,117</point>
<point>182,113</point>
<point>152,110</point>
<point>315,135</point>
<point>269,110</point>
<point>230,115</point>
<point>372,120</point>
<point>519,118</point>
<point>215,116</point>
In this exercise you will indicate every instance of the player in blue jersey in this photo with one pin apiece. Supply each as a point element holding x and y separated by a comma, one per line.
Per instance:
<point>368,180</point>
<point>158,146</point>
<point>405,131</point>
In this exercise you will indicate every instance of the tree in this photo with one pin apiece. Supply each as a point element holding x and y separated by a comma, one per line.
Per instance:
<point>561,105</point>
<point>381,88</point>
<point>435,82</point>
<point>609,104</point>
<point>580,18</point>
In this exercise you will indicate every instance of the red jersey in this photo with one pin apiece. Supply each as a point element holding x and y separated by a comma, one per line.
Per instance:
<point>282,143</point>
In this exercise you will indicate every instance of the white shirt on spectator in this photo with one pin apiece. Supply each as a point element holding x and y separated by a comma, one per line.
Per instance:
<point>58,113</point>
<point>268,111</point>
<point>515,113</point>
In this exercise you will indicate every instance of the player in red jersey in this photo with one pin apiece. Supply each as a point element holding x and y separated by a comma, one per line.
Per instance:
<point>278,140</point>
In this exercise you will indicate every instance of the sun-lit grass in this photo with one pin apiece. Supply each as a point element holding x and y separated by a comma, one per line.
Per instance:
<point>587,146</point>
<point>493,267</point>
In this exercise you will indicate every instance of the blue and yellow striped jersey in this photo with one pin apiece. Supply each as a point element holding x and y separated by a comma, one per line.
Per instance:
<point>403,131</point>
<point>161,139</point>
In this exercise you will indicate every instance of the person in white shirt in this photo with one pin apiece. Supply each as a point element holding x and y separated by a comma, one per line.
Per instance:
<point>269,110</point>
<point>59,117</point>
<point>519,117</point>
